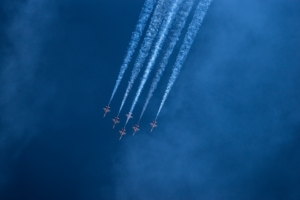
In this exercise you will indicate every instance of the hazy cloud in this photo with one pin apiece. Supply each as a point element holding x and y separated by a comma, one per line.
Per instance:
<point>229,128</point>
<point>21,93</point>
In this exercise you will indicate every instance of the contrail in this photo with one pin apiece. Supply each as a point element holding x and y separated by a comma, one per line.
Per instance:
<point>152,31</point>
<point>179,23</point>
<point>135,38</point>
<point>186,46</point>
<point>155,52</point>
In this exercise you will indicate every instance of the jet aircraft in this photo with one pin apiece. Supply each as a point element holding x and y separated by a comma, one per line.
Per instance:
<point>116,121</point>
<point>153,125</point>
<point>106,110</point>
<point>122,132</point>
<point>129,116</point>
<point>135,128</point>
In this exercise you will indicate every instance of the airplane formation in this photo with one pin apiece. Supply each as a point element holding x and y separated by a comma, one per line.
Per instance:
<point>168,20</point>
<point>129,116</point>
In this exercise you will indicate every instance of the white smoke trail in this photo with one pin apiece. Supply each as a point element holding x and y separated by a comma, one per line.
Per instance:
<point>162,36</point>
<point>135,38</point>
<point>152,31</point>
<point>179,23</point>
<point>186,46</point>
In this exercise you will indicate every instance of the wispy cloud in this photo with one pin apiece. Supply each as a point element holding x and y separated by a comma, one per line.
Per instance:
<point>229,129</point>
<point>20,98</point>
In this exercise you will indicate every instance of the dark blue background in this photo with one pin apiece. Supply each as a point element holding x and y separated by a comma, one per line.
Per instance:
<point>229,130</point>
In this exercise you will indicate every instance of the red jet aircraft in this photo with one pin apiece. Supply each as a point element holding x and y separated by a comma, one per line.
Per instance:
<point>106,110</point>
<point>136,128</point>
<point>116,121</point>
<point>122,132</point>
<point>129,116</point>
<point>153,125</point>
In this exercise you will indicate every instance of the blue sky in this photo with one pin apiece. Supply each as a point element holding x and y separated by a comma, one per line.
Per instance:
<point>229,129</point>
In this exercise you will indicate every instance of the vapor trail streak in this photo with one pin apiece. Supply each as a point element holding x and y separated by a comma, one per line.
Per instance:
<point>135,38</point>
<point>186,46</point>
<point>155,52</point>
<point>152,31</point>
<point>179,23</point>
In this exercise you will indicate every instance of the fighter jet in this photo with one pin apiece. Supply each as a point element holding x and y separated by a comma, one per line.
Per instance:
<point>135,128</point>
<point>116,121</point>
<point>106,110</point>
<point>129,116</point>
<point>122,132</point>
<point>153,125</point>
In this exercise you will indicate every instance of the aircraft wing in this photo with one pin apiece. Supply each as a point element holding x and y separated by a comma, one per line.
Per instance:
<point>129,116</point>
